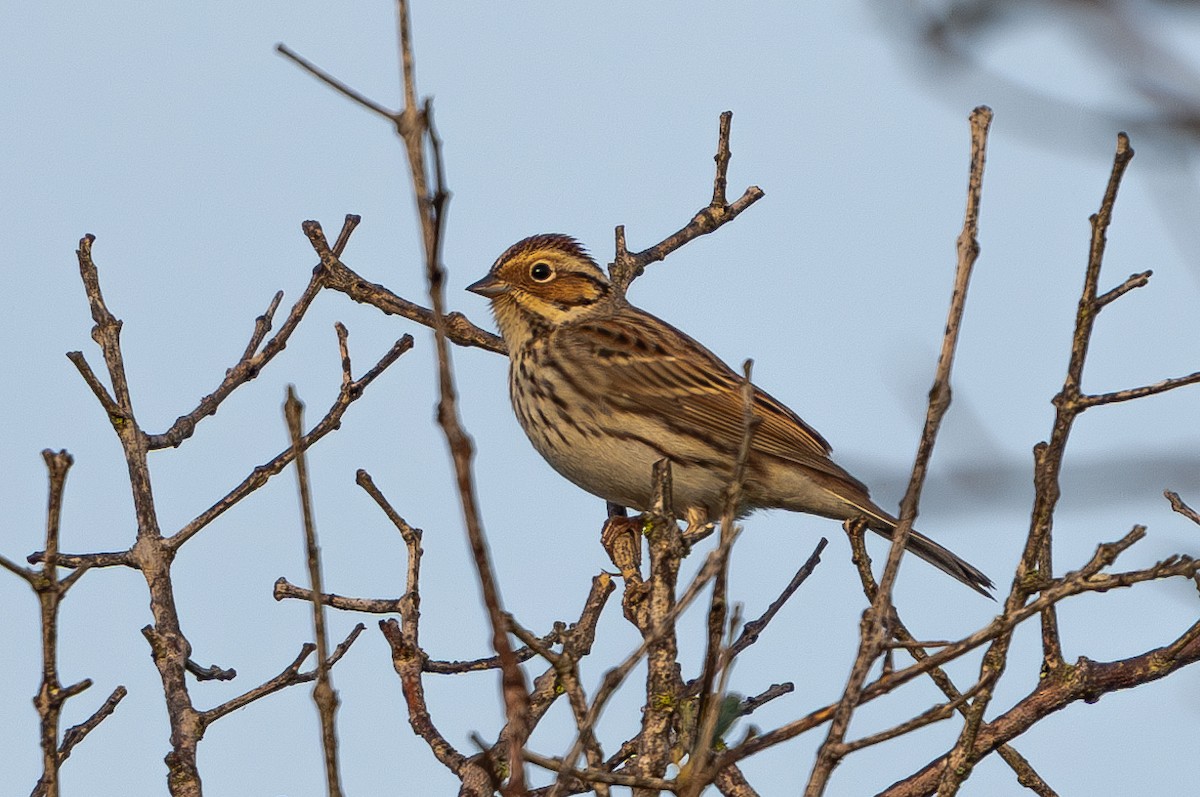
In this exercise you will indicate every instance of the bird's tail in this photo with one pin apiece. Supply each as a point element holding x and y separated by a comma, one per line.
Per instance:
<point>937,555</point>
<point>947,561</point>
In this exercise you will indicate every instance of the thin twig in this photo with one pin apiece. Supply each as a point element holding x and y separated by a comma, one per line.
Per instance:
<point>629,266</point>
<point>1139,280</point>
<point>83,561</point>
<point>253,360</point>
<point>936,713</point>
<point>751,704</point>
<point>753,629</point>
<point>1026,775</point>
<point>284,589</point>
<point>1087,579</point>
<point>1036,563</point>
<point>873,631</point>
<point>324,695</point>
<point>598,776</point>
<point>263,473</point>
<point>1179,506</point>
<point>1088,681</point>
<point>77,733</point>
<point>410,604</point>
<point>333,82</point>
<point>211,672</point>
<point>413,125</point>
<point>115,413</point>
<point>716,655</point>
<point>1092,400</point>
<point>289,676</point>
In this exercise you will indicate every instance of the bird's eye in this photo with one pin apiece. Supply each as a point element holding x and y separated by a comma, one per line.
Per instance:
<point>541,271</point>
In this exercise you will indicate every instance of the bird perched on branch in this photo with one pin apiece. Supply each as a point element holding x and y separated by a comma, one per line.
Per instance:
<point>604,390</point>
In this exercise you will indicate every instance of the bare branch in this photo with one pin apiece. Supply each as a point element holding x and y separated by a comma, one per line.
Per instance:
<point>407,659</point>
<point>1037,561</point>
<point>732,783</point>
<point>753,629</point>
<point>752,704</point>
<point>263,473</point>
<point>1129,394</point>
<point>1179,506</point>
<point>77,733</point>
<point>115,413</point>
<point>576,643</point>
<point>1086,579</point>
<point>935,713</point>
<point>289,676</point>
<point>413,124</point>
<point>457,328</point>
<point>334,83</point>
<point>410,604</point>
<point>1026,775</point>
<point>629,266</point>
<point>567,669</point>
<point>1139,280</point>
<point>1086,680</point>
<point>873,632</point>
<point>211,672</point>
<point>324,695</point>
<point>598,776</point>
<point>661,625</point>
<point>16,569</point>
<point>253,361</point>
<point>285,589</point>
<point>83,561</point>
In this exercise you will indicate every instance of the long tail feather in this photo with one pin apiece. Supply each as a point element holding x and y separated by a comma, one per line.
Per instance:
<point>937,555</point>
<point>947,561</point>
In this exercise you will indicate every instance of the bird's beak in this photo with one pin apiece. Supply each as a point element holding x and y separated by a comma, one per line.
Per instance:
<point>489,286</point>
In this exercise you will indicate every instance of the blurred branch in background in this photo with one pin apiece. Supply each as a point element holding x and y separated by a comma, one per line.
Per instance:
<point>1069,71</point>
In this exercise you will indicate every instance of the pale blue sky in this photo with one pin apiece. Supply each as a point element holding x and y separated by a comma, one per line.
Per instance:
<point>192,151</point>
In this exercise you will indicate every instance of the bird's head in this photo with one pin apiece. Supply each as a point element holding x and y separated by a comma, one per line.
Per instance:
<point>541,282</point>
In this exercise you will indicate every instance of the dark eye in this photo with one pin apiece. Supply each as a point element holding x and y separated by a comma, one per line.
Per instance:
<point>541,271</point>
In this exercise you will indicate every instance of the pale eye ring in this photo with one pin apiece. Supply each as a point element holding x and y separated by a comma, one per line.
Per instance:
<point>541,271</point>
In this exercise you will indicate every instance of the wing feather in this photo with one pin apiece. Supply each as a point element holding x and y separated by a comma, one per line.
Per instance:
<point>644,363</point>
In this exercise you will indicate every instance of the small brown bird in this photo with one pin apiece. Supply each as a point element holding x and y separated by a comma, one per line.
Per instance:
<point>604,390</point>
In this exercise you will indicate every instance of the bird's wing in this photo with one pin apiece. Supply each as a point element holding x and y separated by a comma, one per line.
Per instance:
<point>644,363</point>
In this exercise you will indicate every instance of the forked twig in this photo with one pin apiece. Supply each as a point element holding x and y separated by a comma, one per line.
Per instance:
<point>628,266</point>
